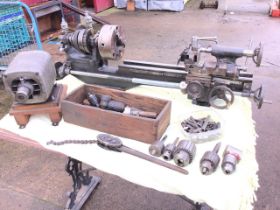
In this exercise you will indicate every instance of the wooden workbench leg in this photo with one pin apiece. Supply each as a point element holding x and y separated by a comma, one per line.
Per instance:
<point>21,120</point>
<point>55,117</point>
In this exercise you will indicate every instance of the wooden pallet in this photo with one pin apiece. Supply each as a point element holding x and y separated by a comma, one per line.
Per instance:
<point>22,112</point>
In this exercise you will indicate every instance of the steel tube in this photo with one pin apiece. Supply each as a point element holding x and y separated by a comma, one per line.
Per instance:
<point>155,83</point>
<point>152,159</point>
<point>153,70</point>
<point>245,79</point>
<point>152,64</point>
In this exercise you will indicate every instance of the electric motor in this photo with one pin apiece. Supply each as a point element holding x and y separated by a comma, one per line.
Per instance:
<point>30,77</point>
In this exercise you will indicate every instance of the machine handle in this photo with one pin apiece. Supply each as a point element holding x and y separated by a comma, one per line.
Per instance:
<point>258,54</point>
<point>207,38</point>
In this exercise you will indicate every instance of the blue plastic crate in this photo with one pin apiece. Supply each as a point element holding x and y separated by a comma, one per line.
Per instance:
<point>14,33</point>
<point>9,9</point>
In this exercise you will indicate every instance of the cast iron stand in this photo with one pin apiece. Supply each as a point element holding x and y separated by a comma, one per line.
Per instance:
<point>196,205</point>
<point>83,184</point>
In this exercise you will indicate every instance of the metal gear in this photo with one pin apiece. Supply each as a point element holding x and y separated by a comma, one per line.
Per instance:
<point>80,40</point>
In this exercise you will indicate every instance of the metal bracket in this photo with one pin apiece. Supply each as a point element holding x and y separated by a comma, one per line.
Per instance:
<point>83,184</point>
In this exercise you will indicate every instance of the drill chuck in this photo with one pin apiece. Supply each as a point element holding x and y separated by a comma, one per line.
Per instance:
<point>184,153</point>
<point>169,150</point>
<point>229,164</point>
<point>210,161</point>
<point>231,158</point>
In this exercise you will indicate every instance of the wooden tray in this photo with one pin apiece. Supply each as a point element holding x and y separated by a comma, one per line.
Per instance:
<point>139,128</point>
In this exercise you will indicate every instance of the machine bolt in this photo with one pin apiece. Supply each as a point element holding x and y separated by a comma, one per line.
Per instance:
<point>232,156</point>
<point>210,160</point>
<point>156,148</point>
<point>169,150</point>
<point>184,153</point>
<point>192,125</point>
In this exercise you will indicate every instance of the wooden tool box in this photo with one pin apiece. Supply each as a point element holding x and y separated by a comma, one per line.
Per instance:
<point>139,128</point>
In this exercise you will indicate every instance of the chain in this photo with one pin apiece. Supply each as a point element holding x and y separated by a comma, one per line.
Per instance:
<point>58,143</point>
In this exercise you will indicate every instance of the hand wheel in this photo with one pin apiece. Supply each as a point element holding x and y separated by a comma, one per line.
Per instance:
<point>258,54</point>
<point>221,97</point>
<point>258,97</point>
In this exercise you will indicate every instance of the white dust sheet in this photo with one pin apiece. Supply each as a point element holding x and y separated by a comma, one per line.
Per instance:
<point>232,192</point>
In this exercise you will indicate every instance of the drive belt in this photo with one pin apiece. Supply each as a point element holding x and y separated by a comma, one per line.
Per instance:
<point>113,143</point>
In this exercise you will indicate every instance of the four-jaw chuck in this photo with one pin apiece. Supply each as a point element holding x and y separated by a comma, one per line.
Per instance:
<point>184,153</point>
<point>210,161</point>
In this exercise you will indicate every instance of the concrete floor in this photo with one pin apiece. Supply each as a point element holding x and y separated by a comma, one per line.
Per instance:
<point>34,179</point>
